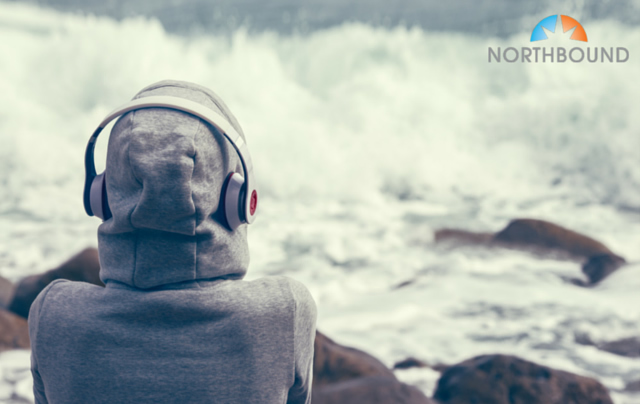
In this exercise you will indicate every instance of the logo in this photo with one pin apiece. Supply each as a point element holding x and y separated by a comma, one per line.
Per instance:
<point>559,54</point>
<point>549,24</point>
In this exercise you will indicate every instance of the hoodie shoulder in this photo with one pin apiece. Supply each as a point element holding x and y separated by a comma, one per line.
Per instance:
<point>305,305</point>
<point>288,288</point>
<point>35,313</point>
<point>305,312</point>
<point>274,294</point>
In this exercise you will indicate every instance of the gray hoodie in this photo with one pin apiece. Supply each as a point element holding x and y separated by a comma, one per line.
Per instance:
<point>175,323</point>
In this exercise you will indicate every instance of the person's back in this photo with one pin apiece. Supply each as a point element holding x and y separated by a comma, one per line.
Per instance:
<point>175,322</point>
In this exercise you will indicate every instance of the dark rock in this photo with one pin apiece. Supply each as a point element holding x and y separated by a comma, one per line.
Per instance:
<point>583,339</point>
<point>410,363</point>
<point>576,281</point>
<point>548,239</point>
<point>344,375</point>
<point>440,367</point>
<point>543,235</point>
<point>14,331</point>
<point>502,379</point>
<point>462,237</point>
<point>83,267</point>
<point>369,390</point>
<point>633,386</point>
<point>334,363</point>
<point>600,266</point>
<point>404,284</point>
<point>629,347</point>
<point>6,292</point>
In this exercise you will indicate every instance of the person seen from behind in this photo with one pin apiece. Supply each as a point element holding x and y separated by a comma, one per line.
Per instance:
<point>175,322</point>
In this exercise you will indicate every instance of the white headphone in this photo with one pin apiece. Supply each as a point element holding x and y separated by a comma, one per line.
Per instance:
<point>240,193</point>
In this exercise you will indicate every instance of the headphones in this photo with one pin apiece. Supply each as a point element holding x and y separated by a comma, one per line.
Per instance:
<point>240,196</point>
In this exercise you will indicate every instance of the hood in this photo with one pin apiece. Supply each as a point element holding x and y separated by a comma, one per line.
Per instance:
<point>164,176</point>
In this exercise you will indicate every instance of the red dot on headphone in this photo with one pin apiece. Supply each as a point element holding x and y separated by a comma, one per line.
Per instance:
<point>254,202</point>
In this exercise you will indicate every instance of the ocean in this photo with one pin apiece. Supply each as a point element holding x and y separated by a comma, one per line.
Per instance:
<point>367,135</point>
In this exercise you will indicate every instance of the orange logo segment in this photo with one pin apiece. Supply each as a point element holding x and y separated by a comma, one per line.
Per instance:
<point>579,34</point>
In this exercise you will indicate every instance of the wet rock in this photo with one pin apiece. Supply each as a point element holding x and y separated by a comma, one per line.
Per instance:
<point>633,386</point>
<point>462,237</point>
<point>417,363</point>
<point>540,234</point>
<point>629,347</point>
<point>333,363</point>
<point>83,267</point>
<point>404,284</point>
<point>576,281</point>
<point>600,266</point>
<point>503,379</point>
<point>369,390</point>
<point>6,292</point>
<point>344,375</point>
<point>583,339</point>
<point>14,331</point>
<point>410,363</point>
<point>548,239</point>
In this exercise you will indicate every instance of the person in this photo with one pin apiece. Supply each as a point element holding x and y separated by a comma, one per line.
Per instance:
<point>175,322</point>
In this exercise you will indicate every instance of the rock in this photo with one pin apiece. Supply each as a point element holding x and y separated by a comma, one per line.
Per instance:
<point>545,238</point>
<point>6,292</point>
<point>417,363</point>
<point>344,375</point>
<point>503,379</point>
<point>83,267</point>
<point>462,237</point>
<point>633,386</point>
<point>600,266</point>
<point>404,284</point>
<point>629,347</point>
<point>583,338</point>
<point>333,363</point>
<point>369,390</point>
<point>410,363</point>
<point>14,331</point>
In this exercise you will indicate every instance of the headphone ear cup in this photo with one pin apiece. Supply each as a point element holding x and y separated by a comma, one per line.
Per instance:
<point>98,198</point>
<point>233,200</point>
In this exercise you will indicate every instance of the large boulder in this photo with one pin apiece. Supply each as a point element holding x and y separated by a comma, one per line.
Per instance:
<point>14,331</point>
<point>544,238</point>
<point>6,292</point>
<point>334,363</point>
<point>344,375</point>
<point>369,390</point>
<point>83,267</point>
<point>504,379</point>
<point>540,235</point>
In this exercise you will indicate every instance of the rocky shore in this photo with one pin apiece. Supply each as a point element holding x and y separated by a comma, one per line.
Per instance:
<point>345,374</point>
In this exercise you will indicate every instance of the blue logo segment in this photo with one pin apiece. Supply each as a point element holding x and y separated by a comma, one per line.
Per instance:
<point>549,23</point>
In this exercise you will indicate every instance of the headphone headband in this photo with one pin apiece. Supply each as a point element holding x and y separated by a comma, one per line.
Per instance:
<point>248,192</point>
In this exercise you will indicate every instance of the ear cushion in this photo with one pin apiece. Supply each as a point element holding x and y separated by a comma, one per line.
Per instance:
<point>98,198</point>
<point>232,199</point>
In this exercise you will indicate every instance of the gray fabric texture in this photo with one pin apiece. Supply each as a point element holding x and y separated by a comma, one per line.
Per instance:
<point>176,323</point>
